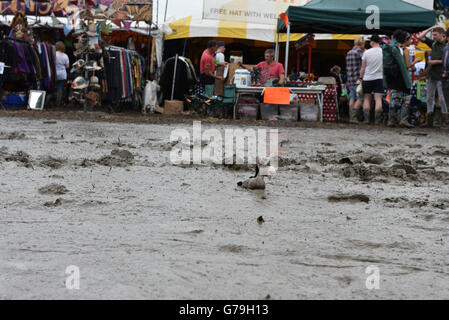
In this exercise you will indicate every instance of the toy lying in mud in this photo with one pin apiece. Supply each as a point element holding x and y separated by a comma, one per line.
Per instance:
<point>257,182</point>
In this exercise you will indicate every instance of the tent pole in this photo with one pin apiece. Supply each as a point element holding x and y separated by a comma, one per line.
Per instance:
<point>298,61</point>
<point>277,48</point>
<point>287,47</point>
<point>310,61</point>
<point>166,8</point>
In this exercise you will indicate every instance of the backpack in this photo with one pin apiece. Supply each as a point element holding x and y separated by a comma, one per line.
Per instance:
<point>392,70</point>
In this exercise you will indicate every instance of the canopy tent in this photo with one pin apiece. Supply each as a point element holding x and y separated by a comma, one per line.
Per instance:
<point>197,27</point>
<point>237,19</point>
<point>355,16</point>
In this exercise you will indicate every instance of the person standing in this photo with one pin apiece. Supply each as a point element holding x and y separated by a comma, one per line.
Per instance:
<point>371,75</point>
<point>219,55</point>
<point>434,81</point>
<point>353,67</point>
<point>207,65</point>
<point>445,77</point>
<point>335,73</point>
<point>397,78</point>
<point>269,69</point>
<point>62,64</point>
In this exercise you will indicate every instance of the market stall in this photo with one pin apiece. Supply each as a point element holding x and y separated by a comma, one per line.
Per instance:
<point>89,31</point>
<point>343,17</point>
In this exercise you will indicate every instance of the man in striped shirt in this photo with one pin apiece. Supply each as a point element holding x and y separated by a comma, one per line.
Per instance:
<point>353,66</point>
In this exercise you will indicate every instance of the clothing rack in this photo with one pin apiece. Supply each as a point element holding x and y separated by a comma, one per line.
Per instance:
<point>18,40</point>
<point>120,48</point>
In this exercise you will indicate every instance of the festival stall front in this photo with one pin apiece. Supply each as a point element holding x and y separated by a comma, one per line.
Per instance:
<point>108,42</point>
<point>343,17</point>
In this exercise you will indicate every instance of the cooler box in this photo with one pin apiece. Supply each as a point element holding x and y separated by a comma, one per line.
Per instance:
<point>242,78</point>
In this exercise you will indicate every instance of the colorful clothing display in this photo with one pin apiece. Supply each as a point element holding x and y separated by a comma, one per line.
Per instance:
<point>129,65</point>
<point>21,59</point>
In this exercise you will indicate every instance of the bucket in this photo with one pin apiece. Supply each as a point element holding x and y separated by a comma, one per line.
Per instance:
<point>242,78</point>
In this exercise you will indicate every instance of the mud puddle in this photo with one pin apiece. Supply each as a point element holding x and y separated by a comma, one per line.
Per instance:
<point>105,197</point>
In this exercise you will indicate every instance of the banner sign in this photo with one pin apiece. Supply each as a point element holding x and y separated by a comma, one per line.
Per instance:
<point>248,11</point>
<point>141,10</point>
<point>31,7</point>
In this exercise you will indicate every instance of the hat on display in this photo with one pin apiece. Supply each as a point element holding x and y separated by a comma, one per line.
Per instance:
<point>94,82</point>
<point>78,65</point>
<point>79,83</point>
<point>92,66</point>
<point>79,31</point>
<point>92,30</point>
<point>80,51</point>
<point>79,45</point>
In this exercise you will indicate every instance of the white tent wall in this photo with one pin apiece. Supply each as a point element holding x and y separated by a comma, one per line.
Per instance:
<point>189,21</point>
<point>192,21</point>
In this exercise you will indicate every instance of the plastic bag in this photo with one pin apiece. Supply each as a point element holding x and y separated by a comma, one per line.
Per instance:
<point>360,90</point>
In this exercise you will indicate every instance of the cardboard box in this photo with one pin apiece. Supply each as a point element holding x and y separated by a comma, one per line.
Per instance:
<point>231,72</point>
<point>173,107</point>
<point>159,109</point>
<point>219,84</point>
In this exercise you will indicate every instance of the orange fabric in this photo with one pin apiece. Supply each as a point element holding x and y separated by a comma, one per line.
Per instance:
<point>276,96</point>
<point>284,18</point>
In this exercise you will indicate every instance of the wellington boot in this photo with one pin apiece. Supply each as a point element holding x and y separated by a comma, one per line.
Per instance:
<point>58,99</point>
<point>406,124</point>
<point>378,118</point>
<point>392,120</point>
<point>429,120</point>
<point>366,116</point>
<point>445,120</point>
<point>353,116</point>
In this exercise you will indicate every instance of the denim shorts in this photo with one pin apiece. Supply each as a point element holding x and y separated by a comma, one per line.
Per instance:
<point>353,93</point>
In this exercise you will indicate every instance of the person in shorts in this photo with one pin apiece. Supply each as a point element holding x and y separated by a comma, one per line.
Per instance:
<point>371,75</point>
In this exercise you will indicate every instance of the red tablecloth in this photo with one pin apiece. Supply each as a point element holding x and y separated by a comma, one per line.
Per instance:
<point>329,103</point>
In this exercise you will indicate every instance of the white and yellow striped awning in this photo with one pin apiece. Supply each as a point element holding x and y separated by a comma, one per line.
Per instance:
<point>197,27</point>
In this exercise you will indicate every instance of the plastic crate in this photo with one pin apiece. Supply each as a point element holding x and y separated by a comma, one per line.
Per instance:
<point>290,112</point>
<point>14,101</point>
<point>248,111</point>
<point>268,111</point>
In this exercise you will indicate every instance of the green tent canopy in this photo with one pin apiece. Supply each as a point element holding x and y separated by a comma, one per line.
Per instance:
<point>350,17</point>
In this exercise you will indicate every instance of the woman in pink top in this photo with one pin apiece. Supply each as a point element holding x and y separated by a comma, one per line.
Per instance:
<point>269,68</point>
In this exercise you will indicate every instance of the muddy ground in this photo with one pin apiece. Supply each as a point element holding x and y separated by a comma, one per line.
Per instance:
<point>101,194</point>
